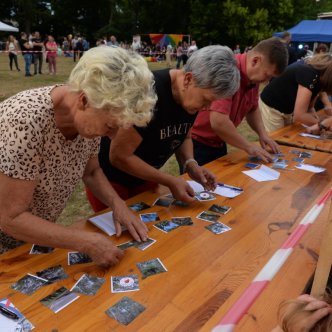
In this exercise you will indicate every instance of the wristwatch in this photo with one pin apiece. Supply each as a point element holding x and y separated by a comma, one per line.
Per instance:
<point>322,127</point>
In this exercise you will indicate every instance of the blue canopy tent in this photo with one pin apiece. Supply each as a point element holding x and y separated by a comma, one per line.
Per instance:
<point>311,31</point>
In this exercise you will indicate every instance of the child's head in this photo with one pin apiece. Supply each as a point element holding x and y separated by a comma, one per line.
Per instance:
<point>306,314</point>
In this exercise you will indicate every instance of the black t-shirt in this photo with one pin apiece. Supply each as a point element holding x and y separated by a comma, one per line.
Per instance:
<point>291,54</point>
<point>281,92</point>
<point>24,50</point>
<point>161,137</point>
<point>36,47</point>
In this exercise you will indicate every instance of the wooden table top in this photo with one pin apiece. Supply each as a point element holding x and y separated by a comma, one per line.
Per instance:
<point>207,273</point>
<point>289,135</point>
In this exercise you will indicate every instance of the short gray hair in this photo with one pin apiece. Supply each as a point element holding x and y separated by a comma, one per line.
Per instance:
<point>214,67</point>
<point>116,80</point>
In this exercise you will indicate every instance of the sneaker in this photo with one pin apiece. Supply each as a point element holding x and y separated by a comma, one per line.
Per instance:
<point>28,75</point>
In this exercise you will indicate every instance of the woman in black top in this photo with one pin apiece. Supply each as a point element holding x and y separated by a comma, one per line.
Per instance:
<point>291,96</point>
<point>209,74</point>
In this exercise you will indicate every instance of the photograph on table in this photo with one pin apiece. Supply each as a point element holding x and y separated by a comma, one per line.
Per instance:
<point>37,249</point>
<point>75,257</point>
<point>183,221</point>
<point>128,283</point>
<point>151,267</point>
<point>125,311</point>
<point>139,245</point>
<point>144,244</point>
<point>53,274</point>
<point>88,285</point>
<point>148,217</point>
<point>218,228</point>
<point>140,206</point>
<point>29,284</point>
<point>208,216</point>
<point>125,245</point>
<point>166,226</point>
<point>163,201</point>
<point>59,299</point>
<point>222,209</point>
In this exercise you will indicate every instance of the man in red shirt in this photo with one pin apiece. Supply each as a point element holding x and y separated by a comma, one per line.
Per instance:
<point>215,127</point>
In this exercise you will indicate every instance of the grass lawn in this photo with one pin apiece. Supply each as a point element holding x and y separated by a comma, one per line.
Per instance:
<point>12,82</point>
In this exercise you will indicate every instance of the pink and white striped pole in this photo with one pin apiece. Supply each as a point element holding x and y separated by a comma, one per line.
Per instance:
<point>262,279</point>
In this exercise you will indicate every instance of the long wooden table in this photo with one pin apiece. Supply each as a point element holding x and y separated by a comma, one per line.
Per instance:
<point>290,135</point>
<point>207,273</point>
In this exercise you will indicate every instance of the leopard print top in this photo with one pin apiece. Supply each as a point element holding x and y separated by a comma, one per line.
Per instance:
<point>33,148</point>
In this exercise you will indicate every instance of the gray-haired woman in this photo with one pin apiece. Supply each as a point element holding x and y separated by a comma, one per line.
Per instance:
<point>49,140</point>
<point>131,160</point>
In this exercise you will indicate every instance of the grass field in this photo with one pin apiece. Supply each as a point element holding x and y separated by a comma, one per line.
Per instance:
<point>12,82</point>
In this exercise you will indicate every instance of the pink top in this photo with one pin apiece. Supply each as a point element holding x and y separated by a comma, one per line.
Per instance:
<point>237,107</point>
<point>51,46</point>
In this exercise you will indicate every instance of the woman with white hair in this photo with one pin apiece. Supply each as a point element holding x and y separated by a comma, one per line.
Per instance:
<point>49,140</point>
<point>131,161</point>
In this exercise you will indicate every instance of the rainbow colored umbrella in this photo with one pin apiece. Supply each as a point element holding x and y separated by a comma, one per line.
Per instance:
<point>164,39</point>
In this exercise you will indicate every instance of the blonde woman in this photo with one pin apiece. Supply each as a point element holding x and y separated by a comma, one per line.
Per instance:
<point>291,96</point>
<point>49,140</point>
<point>12,48</point>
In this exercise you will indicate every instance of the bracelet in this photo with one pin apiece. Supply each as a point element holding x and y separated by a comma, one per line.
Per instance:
<point>188,161</point>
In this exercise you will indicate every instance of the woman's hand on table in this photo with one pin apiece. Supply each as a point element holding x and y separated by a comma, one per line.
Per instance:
<point>323,125</point>
<point>102,251</point>
<point>122,215</point>
<point>181,190</point>
<point>202,176</point>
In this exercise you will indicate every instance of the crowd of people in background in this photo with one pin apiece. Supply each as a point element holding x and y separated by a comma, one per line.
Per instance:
<point>37,49</point>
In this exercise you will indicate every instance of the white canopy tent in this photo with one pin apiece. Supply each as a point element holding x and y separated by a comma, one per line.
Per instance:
<point>6,27</point>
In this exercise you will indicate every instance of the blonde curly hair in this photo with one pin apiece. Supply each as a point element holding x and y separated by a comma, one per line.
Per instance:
<point>117,80</point>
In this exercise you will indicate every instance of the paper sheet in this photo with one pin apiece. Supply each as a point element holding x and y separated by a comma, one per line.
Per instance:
<point>264,173</point>
<point>104,222</point>
<point>310,135</point>
<point>310,168</point>
<point>227,192</point>
<point>196,186</point>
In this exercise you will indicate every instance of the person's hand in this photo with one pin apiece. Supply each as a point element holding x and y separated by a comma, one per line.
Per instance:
<point>313,112</point>
<point>268,142</point>
<point>122,215</point>
<point>102,251</point>
<point>314,129</point>
<point>181,190</point>
<point>257,151</point>
<point>202,176</point>
<point>322,126</point>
